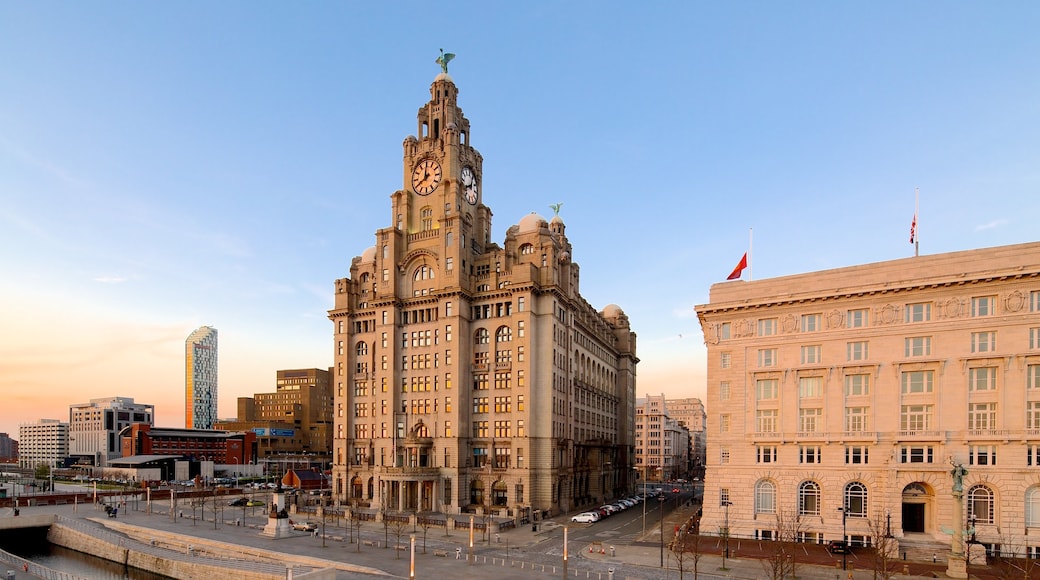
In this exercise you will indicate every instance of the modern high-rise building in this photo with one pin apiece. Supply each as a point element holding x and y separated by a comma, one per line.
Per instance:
<point>94,427</point>
<point>8,449</point>
<point>43,442</point>
<point>471,375</point>
<point>200,379</point>
<point>841,400</point>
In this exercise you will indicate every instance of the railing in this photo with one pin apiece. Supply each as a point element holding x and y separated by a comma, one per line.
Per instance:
<point>36,570</point>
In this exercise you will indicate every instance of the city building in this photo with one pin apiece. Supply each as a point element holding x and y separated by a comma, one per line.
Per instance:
<point>94,427</point>
<point>690,413</point>
<point>471,376</point>
<point>296,419</point>
<point>220,447</point>
<point>43,442</point>
<point>841,400</point>
<point>662,443</point>
<point>200,379</point>
<point>8,449</point>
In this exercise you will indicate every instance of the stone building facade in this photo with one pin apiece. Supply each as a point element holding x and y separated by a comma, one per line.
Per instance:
<point>471,376</point>
<point>851,393</point>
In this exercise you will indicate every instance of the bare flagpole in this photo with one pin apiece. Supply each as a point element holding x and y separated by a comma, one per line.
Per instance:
<point>917,235</point>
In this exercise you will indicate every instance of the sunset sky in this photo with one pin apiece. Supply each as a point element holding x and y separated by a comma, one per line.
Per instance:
<point>169,165</point>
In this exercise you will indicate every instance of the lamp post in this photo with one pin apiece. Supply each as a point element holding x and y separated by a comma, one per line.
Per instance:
<point>844,546</point>
<point>725,550</point>
<point>564,551</point>
<point>644,496</point>
<point>660,500</point>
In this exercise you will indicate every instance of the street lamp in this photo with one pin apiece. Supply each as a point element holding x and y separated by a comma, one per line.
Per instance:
<point>644,496</point>
<point>844,545</point>
<point>660,500</point>
<point>725,550</point>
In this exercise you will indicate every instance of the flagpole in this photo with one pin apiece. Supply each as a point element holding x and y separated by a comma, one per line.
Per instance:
<point>917,236</point>
<point>750,272</point>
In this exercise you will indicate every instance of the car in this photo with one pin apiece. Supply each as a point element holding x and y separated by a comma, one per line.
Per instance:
<point>676,490</point>
<point>838,547</point>
<point>610,508</point>
<point>586,518</point>
<point>626,502</point>
<point>304,526</point>
<point>240,502</point>
<point>254,503</point>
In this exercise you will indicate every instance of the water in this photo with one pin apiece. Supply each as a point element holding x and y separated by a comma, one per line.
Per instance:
<point>32,545</point>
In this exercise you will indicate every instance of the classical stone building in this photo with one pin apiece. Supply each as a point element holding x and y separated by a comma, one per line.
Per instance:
<point>851,392</point>
<point>690,413</point>
<point>472,376</point>
<point>662,443</point>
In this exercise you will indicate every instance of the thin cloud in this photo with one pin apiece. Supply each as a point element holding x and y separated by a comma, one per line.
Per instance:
<point>110,279</point>
<point>991,225</point>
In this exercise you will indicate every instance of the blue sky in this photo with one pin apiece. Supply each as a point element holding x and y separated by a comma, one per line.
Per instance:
<point>169,165</point>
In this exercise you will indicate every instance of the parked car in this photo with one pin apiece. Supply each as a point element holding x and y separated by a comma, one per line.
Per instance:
<point>304,526</point>
<point>254,503</point>
<point>586,518</point>
<point>240,502</point>
<point>837,547</point>
<point>610,508</point>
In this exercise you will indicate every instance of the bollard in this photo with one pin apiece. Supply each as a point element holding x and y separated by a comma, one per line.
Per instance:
<point>612,551</point>
<point>610,574</point>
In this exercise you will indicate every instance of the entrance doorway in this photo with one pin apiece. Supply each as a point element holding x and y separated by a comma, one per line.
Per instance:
<point>913,518</point>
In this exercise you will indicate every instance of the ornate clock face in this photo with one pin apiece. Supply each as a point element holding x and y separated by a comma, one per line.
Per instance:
<point>426,176</point>
<point>469,182</point>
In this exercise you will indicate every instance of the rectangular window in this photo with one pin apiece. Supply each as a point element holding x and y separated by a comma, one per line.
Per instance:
<point>1034,338</point>
<point>917,382</point>
<point>521,304</point>
<point>856,455</point>
<point>765,421</point>
<point>811,354</point>
<point>920,312</point>
<point>809,419</point>
<point>982,379</point>
<point>809,454</point>
<point>766,453</point>
<point>983,341</point>
<point>767,389</point>
<point>724,391</point>
<point>857,385</point>
<point>767,357</point>
<point>856,419</point>
<point>982,416</point>
<point>724,455</point>
<point>724,423</point>
<point>982,455</point>
<point>810,387</point>
<point>982,305</point>
<point>917,346</point>
<point>1034,301</point>
<point>915,418</point>
<point>856,350</point>
<point>1033,455</point>
<point>767,327</point>
<point>1033,415</point>
<point>724,360</point>
<point>857,318</point>
<point>1033,377</point>
<point>724,331</point>
<point>915,454</point>
<point>724,496</point>
<point>811,322</point>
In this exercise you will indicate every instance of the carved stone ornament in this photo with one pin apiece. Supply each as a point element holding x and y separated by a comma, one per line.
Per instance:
<point>789,323</point>
<point>889,314</point>
<point>835,319</point>
<point>952,308</point>
<point>712,336</point>
<point>743,328</point>
<point>1015,301</point>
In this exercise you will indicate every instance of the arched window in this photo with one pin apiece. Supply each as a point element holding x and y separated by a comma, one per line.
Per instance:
<point>364,278</point>
<point>482,336</point>
<point>1033,507</point>
<point>424,272</point>
<point>526,249</point>
<point>500,493</point>
<point>980,504</point>
<point>476,492</point>
<point>765,497</point>
<point>356,487</point>
<point>362,349</point>
<point>809,498</point>
<point>426,214</point>
<point>856,500</point>
<point>503,334</point>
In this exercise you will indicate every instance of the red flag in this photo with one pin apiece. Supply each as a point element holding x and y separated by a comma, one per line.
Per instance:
<point>913,228</point>
<point>735,274</point>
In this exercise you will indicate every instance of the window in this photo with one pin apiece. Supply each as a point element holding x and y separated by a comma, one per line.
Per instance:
<point>481,336</point>
<point>767,389</point>
<point>983,341</point>
<point>856,350</point>
<point>810,387</point>
<point>1032,506</point>
<point>724,423</point>
<point>982,455</point>
<point>809,454</point>
<point>857,385</point>
<point>724,360</point>
<point>1033,415</point>
<point>811,354</point>
<point>915,418</point>
<point>765,421</point>
<point>724,391</point>
<point>503,334</point>
<point>767,327</point>
<point>918,346</point>
<point>920,312</point>
<point>1034,301</point>
<point>766,454</point>
<point>725,329</point>
<point>982,305</point>
<point>857,318</point>
<point>982,416</point>
<point>1033,377</point>
<point>856,500</point>
<point>980,504</point>
<point>915,454</point>
<point>809,498</point>
<point>724,496</point>
<point>1033,455</point>
<point>1034,338</point>
<point>724,455</point>
<point>856,455</point>
<point>982,379</point>
<point>767,357</point>
<point>917,382</point>
<point>856,419</point>
<point>809,419</point>
<point>811,322</point>
<point>765,497</point>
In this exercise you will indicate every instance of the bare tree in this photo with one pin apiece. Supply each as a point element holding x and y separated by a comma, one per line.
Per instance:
<point>686,547</point>
<point>397,525</point>
<point>1010,561</point>
<point>425,523</point>
<point>781,562</point>
<point>886,547</point>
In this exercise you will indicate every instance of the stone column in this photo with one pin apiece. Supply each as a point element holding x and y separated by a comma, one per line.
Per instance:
<point>957,566</point>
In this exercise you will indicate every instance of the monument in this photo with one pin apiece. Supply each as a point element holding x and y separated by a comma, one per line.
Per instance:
<point>278,519</point>
<point>957,566</point>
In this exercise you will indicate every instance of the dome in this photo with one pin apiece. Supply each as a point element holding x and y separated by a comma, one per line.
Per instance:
<point>612,311</point>
<point>532,222</point>
<point>444,77</point>
<point>556,220</point>
<point>369,255</point>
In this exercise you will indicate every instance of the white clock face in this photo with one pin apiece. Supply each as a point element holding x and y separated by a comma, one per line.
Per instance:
<point>469,182</point>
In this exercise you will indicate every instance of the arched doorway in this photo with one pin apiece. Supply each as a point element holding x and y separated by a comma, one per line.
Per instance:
<point>917,502</point>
